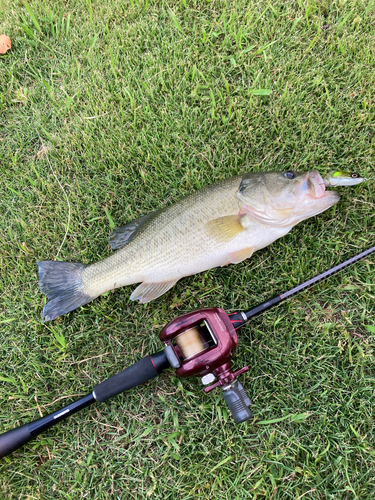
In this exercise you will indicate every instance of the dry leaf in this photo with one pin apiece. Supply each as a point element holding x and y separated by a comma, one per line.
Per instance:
<point>5,44</point>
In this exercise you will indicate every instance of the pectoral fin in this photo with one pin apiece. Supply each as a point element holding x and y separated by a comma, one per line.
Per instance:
<point>225,228</point>
<point>150,291</point>
<point>240,255</point>
<point>122,235</point>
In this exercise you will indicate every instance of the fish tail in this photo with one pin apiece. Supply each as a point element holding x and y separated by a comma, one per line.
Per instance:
<point>62,283</point>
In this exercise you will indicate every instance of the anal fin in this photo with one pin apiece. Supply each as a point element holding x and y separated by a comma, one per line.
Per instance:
<point>240,255</point>
<point>146,292</point>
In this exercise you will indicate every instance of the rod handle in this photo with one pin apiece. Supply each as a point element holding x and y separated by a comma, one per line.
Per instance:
<point>138,373</point>
<point>14,439</point>
<point>141,371</point>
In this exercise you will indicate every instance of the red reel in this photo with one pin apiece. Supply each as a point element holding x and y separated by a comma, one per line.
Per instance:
<point>202,344</point>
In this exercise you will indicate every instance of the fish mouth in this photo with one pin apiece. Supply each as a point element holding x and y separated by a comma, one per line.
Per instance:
<point>313,186</point>
<point>314,193</point>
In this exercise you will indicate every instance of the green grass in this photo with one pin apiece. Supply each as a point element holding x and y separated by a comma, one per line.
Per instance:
<point>139,104</point>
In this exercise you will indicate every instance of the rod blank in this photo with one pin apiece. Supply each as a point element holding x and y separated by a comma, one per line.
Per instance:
<point>306,284</point>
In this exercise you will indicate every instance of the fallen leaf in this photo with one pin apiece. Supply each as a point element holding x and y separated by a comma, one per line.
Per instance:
<point>5,44</point>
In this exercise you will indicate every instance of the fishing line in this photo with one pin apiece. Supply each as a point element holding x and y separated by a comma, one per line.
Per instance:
<point>190,343</point>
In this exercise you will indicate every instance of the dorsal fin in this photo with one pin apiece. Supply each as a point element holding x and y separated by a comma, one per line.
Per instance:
<point>122,235</point>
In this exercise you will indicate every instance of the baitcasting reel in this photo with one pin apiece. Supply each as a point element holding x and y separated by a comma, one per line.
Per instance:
<point>201,344</point>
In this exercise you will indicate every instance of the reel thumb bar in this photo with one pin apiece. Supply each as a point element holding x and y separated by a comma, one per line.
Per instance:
<point>238,319</point>
<point>136,374</point>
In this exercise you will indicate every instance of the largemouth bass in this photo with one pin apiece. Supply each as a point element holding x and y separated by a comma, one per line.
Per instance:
<point>222,224</point>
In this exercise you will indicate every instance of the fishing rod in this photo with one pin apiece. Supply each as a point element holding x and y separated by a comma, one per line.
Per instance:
<point>200,343</point>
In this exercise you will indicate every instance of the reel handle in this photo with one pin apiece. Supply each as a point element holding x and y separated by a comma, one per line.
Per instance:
<point>237,401</point>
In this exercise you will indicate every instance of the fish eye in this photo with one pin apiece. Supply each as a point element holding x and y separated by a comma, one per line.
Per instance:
<point>354,176</point>
<point>242,188</point>
<point>289,175</point>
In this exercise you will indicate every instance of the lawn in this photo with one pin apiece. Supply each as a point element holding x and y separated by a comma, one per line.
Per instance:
<point>112,109</point>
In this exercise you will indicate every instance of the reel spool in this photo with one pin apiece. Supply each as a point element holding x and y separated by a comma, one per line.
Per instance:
<point>195,340</point>
<point>190,343</point>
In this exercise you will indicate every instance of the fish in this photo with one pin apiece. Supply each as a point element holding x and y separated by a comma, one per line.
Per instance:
<point>224,223</point>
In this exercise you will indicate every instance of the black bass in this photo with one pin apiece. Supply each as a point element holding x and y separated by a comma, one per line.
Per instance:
<point>222,224</point>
